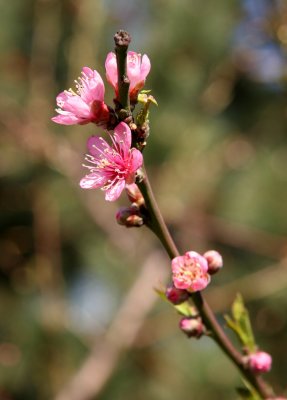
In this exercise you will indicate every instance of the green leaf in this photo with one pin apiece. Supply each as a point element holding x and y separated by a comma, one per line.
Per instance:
<point>185,309</point>
<point>240,324</point>
<point>161,294</point>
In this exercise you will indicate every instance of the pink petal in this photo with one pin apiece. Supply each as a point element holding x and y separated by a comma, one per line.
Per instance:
<point>136,160</point>
<point>88,71</point>
<point>68,119</point>
<point>115,191</point>
<point>98,147</point>
<point>145,67</point>
<point>133,69</point>
<point>177,263</point>
<point>111,69</point>
<point>202,261</point>
<point>93,86</point>
<point>123,138</point>
<point>200,283</point>
<point>74,104</point>
<point>92,181</point>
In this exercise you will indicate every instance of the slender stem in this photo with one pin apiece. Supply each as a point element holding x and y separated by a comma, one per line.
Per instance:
<point>122,40</point>
<point>156,223</point>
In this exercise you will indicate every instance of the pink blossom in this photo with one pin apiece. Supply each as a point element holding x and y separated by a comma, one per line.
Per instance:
<point>87,105</point>
<point>259,362</point>
<point>190,272</point>
<point>138,68</point>
<point>112,167</point>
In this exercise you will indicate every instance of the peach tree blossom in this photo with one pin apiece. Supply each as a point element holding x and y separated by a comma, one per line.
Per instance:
<point>189,272</point>
<point>138,68</point>
<point>112,167</point>
<point>86,104</point>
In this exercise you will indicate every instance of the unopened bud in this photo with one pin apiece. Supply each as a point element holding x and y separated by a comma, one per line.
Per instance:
<point>134,194</point>
<point>214,260</point>
<point>192,326</point>
<point>176,296</point>
<point>259,362</point>
<point>129,216</point>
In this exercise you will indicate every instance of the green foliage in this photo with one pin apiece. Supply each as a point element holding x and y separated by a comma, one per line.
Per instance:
<point>241,325</point>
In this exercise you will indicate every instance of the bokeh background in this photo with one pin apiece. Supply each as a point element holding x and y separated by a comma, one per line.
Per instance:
<point>79,318</point>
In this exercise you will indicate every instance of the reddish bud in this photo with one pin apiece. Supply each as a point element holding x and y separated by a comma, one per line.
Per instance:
<point>214,260</point>
<point>259,362</point>
<point>176,296</point>
<point>129,216</point>
<point>134,194</point>
<point>192,326</point>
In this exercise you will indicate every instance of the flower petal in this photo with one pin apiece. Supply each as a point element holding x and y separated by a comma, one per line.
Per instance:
<point>73,103</point>
<point>145,67</point>
<point>111,69</point>
<point>123,139</point>
<point>136,159</point>
<point>202,261</point>
<point>98,147</point>
<point>67,119</point>
<point>93,86</point>
<point>115,191</point>
<point>199,283</point>
<point>93,181</point>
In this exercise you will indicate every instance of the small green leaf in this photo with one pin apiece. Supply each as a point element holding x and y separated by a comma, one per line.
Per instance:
<point>185,309</point>
<point>161,294</point>
<point>240,324</point>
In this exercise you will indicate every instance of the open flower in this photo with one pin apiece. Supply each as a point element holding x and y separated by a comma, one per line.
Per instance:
<point>138,68</point>
<point>112,167</point>
<point>189,272</point>
<point>87,105</point>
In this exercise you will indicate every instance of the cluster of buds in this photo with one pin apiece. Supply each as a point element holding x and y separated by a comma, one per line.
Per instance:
<point>132,216</point>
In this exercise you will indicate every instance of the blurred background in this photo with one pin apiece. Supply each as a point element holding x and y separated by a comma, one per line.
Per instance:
<point>79,318</point>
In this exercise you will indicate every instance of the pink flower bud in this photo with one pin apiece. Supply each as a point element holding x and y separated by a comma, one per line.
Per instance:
<point>214,261</point>
<point>129,216</point>
<point>189,272</point>
<point>259,362</point>
<point>134,194</point>
<point>192,326</point>
<point>138,68</point>
<point>176,296</point>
